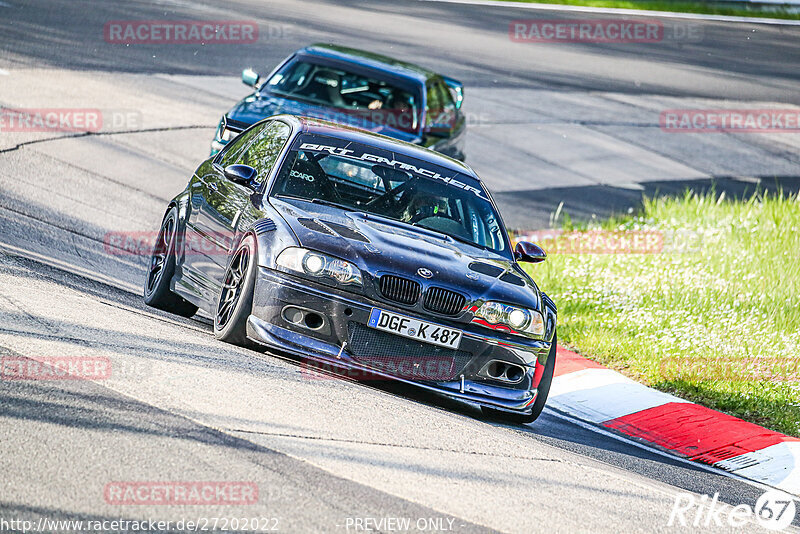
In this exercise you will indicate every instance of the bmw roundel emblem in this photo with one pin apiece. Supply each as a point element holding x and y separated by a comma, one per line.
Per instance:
<point>424,273</point>
<point>472,276</point>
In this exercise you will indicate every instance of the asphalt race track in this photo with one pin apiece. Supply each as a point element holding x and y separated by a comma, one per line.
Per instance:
<point>576,123</point>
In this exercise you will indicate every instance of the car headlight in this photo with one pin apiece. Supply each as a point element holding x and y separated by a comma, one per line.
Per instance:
<point>518,320</point>
<point>319,265</point>
<point>313,264</point>
<point>492,312</point>
<point>223,135</point>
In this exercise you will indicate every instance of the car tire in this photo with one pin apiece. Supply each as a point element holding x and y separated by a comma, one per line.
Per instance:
<point>541,397</point>
<point>161,268</point>
<point>235,302</point>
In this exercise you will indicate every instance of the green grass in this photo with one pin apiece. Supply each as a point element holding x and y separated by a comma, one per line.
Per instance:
<point>709,8</point>
<point>713,318</point>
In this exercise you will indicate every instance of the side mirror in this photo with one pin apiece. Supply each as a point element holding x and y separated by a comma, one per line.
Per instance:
<point>241,174</point>
<point>250,77</point>
<point>529,252</point>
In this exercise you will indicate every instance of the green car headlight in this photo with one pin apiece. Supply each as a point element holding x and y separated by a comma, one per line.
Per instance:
<point>223,134</point>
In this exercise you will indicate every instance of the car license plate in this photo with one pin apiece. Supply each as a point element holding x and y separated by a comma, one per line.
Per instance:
<point>414,328</point>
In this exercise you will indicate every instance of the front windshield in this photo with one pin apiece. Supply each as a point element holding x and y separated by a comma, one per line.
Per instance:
<point>362,178</point>
<point>359,96</point>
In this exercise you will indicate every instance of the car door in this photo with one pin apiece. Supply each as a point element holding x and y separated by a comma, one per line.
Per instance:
<point>216,204</point>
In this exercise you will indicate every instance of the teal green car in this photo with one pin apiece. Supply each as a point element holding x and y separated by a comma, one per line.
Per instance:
<point>355,88</point>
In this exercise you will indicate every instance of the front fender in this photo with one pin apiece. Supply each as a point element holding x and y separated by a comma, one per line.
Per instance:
<point>550,316</point>
<point>272,236</point>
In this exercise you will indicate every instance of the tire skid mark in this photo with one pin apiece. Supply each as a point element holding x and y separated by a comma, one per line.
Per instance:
<point>103,134</point>
<point>64,228</point>
<point>403,446</point>
<point>95,174</point>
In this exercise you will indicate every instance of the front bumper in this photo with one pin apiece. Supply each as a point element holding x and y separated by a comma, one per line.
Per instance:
<point>342,339</point>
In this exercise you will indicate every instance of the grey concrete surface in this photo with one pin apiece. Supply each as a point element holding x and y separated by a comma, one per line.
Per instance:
<point>178,406</point>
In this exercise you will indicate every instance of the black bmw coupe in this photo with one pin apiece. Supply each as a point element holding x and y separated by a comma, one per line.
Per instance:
<point>354,249</point>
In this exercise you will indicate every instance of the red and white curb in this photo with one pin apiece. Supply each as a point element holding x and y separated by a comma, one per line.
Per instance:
<point>588,391</point>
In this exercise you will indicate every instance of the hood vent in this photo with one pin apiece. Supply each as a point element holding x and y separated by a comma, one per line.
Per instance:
<point>264,225</point>
<point>312,224</point>
<point>486,268</point>
<point>347,232</point>
<point>512,278</point>
<point>331,228</point>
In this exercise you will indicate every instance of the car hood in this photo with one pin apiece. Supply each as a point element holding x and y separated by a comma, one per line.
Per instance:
<point>253,108</point>
<point>381,246</point>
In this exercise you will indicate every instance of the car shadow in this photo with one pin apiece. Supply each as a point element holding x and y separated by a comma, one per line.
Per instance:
<point>533,209</point>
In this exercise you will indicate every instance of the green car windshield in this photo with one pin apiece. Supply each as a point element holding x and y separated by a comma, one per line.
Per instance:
<point>362,178</point>
<point>358,99</point>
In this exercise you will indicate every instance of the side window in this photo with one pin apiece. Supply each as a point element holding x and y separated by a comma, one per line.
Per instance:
<point>433,105</point>
<point>237,146</point>
<point>441,106</point>
<point>447,97</point>
<point>264,151</point>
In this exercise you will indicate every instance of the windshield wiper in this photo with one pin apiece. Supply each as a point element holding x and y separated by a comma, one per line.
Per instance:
<point>294,96</point>
<point>332,204</point>
<point>452,236</point>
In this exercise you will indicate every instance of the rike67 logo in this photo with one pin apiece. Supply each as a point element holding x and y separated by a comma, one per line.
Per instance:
<point>774,510</point>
